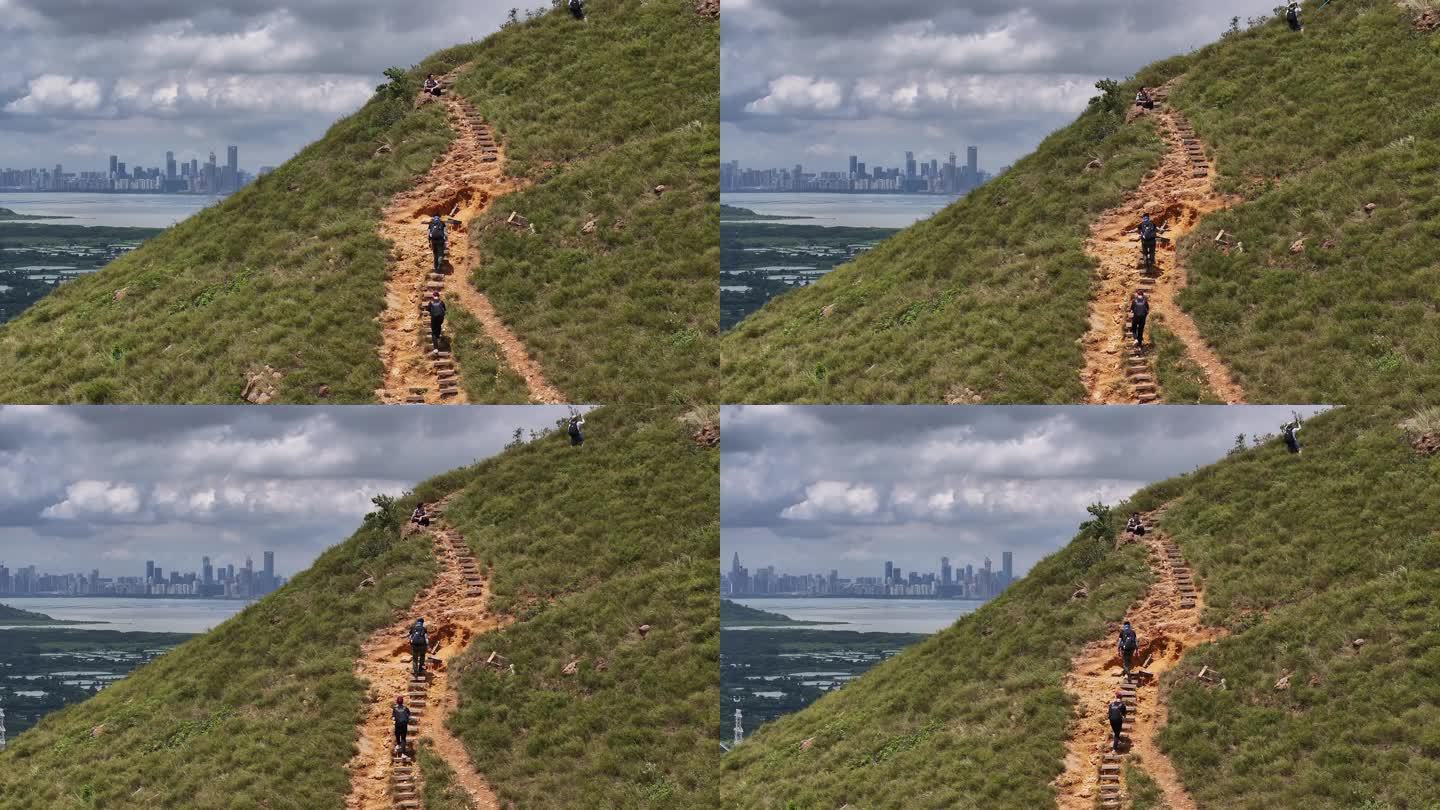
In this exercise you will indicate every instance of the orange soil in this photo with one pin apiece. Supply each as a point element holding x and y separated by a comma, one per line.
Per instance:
<point>1175,197</point>
<point>460,185</point>
<point>454,609</point>
<point>1166,630</point>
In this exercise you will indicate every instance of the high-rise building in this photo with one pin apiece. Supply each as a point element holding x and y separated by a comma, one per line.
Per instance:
<point>944,570</point>
<point>232,168</point>
<point>909,164</point>
<point>114,166</point>
<point>169,165</point>
<point>1007,563</point>
<point>972,162</point>
<point>889,571</point>
<point>149,571</point>
<point>207,573</point>
<point>854,166</point>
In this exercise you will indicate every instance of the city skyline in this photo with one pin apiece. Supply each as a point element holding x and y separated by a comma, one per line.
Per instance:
<point>856,486</point>
<point>909,176</point>
<point>227,581</point>
<point>948,581</point>
<point>174,177</point>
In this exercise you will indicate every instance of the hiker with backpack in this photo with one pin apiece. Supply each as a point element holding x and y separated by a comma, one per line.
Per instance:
<point>577,9</point>
<point>400,713</point>
<point>437,240</point>
<point>419,646</point>
<point>419,517</point>
<point>1139,311</point>
<point>436,308</point>
<point>1148,234</point>
<point>1288,431</point>
<point>1292,16</point>
<point>432,85</point>
<point>1116,712</point>
<point>1143,99</point>
<point>576,437</point>
<point>1127,645</point>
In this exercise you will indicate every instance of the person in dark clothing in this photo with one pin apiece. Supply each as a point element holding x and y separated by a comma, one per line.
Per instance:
<point>576,437</point>
<point>432,85</point>
<point>1127,644</point>
<point>419,646</point>
<point>1292,16</point>
<point>1143,99</point>
<point>436,308</point>
<point>1139,311</point>
<point>1117,720</point>
<point>1133,525</point>
<point>419,517</point>
<point>1288,431</point>
<point>401,715</point>
<point>437,240</point>
<point>577,8</point>
<point>1148,234</point>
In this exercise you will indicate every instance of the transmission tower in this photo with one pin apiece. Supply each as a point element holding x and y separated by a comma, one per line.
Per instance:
<point>739,728</point>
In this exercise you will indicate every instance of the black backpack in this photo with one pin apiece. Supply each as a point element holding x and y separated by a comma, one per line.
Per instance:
<point>437,231</point>
<point>1147,231</point>
<point>417,636</point>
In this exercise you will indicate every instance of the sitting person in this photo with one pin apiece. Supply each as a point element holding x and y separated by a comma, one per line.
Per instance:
<point>1133,525</point>
<point>418,517</point>
<point>1142,99</point>
<point>432,85</point>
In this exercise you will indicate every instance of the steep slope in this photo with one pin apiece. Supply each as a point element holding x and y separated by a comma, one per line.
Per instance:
<point>287,277</point>
<point>1320,567</point>
<point>578,546</point>
<point>987,299</point>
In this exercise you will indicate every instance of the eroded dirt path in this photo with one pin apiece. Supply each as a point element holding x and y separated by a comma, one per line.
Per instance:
<point>1176,194</point>
<point>454,607</point>
<point>1167,620</point>
<point>466,180</point>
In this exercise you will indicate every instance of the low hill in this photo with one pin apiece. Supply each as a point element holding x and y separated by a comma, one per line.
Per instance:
<point>736,613</point>
<point>287,278</point>
<point>11,615</point>
<point>581,546</point>
<point>1314,633</point>
<point>1323,174</point>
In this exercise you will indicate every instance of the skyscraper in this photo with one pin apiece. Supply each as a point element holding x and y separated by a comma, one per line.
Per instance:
<point>909,164</point>
<point>854,166</point>
<point>232,168</point>
<point>944,570</point>
<point>169,165</point>
<point>206,572</point>
<point>1007,560</point>
<point>972,162</point>
<point>149,571</point>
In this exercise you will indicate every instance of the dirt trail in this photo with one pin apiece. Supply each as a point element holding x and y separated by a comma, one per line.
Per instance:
<point>454,607</point>
<point>459,186</point>
<point>1176,194</point>
<point>1167,620</point>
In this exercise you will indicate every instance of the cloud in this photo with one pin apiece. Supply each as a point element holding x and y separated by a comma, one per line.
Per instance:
<point>825,499</point>
<point>799,94</point>
<point>95,499</point>
<point>51,94</point>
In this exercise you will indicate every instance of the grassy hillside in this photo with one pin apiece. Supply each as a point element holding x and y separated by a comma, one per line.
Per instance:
<point>587,542</point>
<point>1300,556</point>
<point>1307,128</point>
<point>289,272</point>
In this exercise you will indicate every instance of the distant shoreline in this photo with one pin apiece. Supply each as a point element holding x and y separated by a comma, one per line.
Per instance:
<point>127,596</point>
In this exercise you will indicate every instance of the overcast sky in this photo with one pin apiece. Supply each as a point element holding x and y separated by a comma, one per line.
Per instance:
<point>849,487</point>
<point>814,81</point>
<point>82,80</point>
<point>110,487</point>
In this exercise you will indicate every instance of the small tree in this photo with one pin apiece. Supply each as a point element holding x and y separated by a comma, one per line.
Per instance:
<point>399,86</point>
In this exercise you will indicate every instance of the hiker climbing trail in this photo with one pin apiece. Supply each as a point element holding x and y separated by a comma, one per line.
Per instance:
<point>454,607</point>
<point>1167,619</point>
<point>1176,194</point>
<point>459,186</point>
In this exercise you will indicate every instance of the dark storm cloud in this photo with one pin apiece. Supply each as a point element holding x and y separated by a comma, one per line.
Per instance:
<point>813,488</point>
<point>109,486</point>
<point>812,82</point>
<point>83,80</point>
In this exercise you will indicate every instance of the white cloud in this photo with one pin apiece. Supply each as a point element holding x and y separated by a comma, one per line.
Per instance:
<point>799,94</point>
<point>829,499</point>
<point>87,499</point>
<point>51,94</point>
